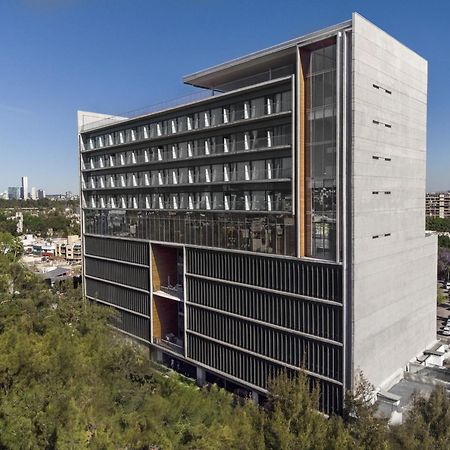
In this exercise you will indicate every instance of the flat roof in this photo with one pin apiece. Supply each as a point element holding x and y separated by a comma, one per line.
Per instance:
<point>244,65</point>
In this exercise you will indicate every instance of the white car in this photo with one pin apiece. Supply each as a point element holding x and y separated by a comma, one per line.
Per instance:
<point>446,333</point>
<point>445,329</point>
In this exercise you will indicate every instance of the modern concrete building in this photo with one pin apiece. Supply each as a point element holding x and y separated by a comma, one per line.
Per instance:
<point>438,204</point>
<point>277,222</point>
<point>24,189</point>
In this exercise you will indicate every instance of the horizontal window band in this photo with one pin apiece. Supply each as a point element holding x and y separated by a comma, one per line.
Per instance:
<point>116,284</point>
<point>206,130</point>
<point>268,324</point>
<point>193,185</point>
<point>113,305</point>
<point>179,161</point>
<point>120,261</point>
<point>261,288</point>
<point>267,358</point>
<point>194,105</point>
<point>323,262</point>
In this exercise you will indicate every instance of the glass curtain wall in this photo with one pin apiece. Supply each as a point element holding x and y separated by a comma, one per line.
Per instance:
<point>320,84</point>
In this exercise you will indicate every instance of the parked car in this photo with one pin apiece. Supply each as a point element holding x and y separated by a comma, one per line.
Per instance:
<point>446,333</point>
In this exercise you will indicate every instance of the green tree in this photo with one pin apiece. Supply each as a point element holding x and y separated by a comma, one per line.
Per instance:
<point>293,420</point>
<point>427,424</point>
<point>444,241</point>
<point>367,430</point>
<point>437,224</point>
<point>10,246</point>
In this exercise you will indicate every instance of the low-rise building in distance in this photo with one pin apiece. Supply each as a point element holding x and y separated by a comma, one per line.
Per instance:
<point>437,204</point>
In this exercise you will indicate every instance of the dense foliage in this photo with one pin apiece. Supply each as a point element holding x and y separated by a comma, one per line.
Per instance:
<point>444,241</point>
<point>68,381</point>
<point>41,216</point>
<point>437,224</point>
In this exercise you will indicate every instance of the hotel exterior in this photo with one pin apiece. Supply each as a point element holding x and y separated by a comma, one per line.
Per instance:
<point>276,222</point>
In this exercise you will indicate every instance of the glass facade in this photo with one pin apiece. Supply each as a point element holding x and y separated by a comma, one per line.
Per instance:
<point>273,234</point>
<point>320,83</point>
<point>216,176</point>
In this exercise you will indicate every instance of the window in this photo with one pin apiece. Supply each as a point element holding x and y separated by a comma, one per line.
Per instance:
<point>258,170</point>
<point>217,200</point>
<point>217,173</point>
<point>258,201</point>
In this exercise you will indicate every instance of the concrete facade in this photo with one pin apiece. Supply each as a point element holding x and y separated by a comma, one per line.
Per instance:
<point>393,262</point>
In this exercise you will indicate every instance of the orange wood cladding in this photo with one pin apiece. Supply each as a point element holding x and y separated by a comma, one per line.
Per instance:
<point>165,316</point>
<point>164,266</point>
<point>303,164</point>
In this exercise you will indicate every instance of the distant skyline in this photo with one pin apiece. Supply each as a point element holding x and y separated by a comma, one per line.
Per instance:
<point>60,56</point>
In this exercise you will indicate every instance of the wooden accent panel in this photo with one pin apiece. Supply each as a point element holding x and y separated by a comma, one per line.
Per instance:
<point>156,282</point>
<point>304,167</point>
<point>165,316</point>
<point>164,266</point>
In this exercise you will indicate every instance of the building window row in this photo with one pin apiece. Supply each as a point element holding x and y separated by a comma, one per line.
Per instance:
<point>295,276</point>
<point>248,109</point>
<point>234,201</point>
<point>312,317</point>
<point>269,169</point>
<point>256,370</point>
<point>315,356</point>
<point>253,232</point>
<point>216,145</point>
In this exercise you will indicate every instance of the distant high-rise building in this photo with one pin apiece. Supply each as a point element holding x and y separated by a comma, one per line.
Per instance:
<point>33,193</point>
<point>24,190</point>
<point>276,224</point>
<point>40,194</point>
<point>13,193</point>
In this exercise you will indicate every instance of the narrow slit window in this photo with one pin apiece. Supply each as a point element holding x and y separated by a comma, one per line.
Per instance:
<point>387,125</point>
<point>387,192</point>
<point>375,86</point>
<point>375,157</point>
<point>375,192</point>
<point>387,234</point>
<point>376,122</point>
<point>387,159</point>
<point>375,237</point>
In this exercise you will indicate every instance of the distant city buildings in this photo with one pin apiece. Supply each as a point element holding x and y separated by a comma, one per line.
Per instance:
<point>22,193</point>
<point>24,190</point>
<point>14,193</point>
<point>437,204</point>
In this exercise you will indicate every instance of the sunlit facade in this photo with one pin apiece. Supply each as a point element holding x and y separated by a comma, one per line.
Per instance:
<point>241,233</point>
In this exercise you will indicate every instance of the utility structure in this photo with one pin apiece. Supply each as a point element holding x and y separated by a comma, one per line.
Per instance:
<point>277,221</point>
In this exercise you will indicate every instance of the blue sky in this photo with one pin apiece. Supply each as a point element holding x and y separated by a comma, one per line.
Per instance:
<point>58,56</point>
